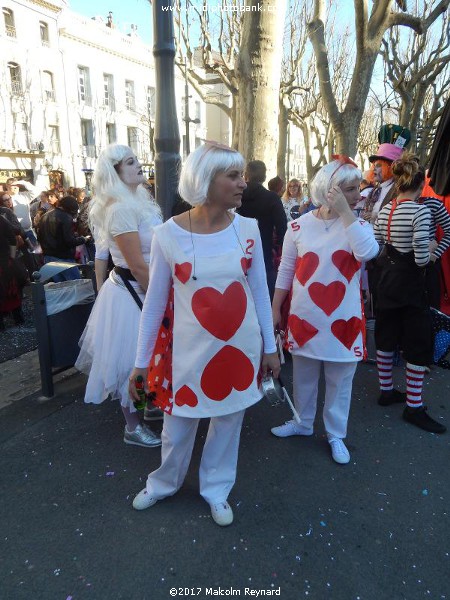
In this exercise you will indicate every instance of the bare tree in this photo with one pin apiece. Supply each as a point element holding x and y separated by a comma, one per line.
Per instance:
<point>369,32</point>
<point>417,71</point>
<point>239,46</point>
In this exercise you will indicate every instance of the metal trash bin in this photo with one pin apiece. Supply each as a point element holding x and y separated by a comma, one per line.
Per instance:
<point>61,312</point>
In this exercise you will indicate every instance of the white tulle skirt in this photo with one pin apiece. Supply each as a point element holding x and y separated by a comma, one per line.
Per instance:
<point>108,344</point>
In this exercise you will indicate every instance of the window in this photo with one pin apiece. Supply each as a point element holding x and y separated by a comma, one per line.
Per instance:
<point>151,102</point>
<point>53,139</point>
<point>84,94</point>
<point>133,139</point>
<point>15,78</point>
<point>87,137</point>
<point>111,133</point>
<point>129,95</point>
<point>10,27</point>
<point>108,91</point>
<point>48,87</point>
<point>22,141</point>
<point>45,40</point>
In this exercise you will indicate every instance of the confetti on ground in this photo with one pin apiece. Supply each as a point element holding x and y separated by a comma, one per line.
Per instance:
<point>110,474</point>
<point>424,492</point>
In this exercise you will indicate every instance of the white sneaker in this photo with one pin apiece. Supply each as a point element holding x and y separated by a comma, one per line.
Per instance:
<point>142,436</point>
<point>143,500</point>
<point>222,513</point>
<point>339,451</point>
<point>290,428</point>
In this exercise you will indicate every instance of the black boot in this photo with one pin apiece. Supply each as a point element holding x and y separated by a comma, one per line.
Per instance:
<point>389,397</point>
<point>420,418</point>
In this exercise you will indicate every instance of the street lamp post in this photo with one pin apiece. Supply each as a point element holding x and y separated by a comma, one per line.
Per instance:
<point>167,135</point>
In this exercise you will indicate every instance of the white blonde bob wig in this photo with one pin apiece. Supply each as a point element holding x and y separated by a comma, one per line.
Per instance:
<point>334,173</point>
<point>202,166</point>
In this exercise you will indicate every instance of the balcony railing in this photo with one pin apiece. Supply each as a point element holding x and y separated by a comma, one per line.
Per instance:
<point>85,99</point>
<point>10,31</point>
<point>110,103</point>
<point>45,43</point>
<point>55,147</point>
<point>49,95</point>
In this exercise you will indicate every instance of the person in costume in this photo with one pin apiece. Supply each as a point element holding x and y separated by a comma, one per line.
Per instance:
<point>321,264</point>
<point>123,217</point>
<point>403,316</point>
<point>222,328</point>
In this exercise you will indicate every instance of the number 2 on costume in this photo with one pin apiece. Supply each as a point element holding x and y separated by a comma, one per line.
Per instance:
<point>250,244</point>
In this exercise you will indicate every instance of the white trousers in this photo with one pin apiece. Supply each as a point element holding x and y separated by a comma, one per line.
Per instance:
<point>338,392</point>
<point>219,457</point>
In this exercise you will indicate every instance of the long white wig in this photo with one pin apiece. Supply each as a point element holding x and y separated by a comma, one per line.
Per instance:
<point>202,166</point>
<point>108,189</point>
<point>334,173</point>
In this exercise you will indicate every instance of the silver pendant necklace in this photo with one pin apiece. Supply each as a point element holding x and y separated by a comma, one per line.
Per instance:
<point>324,221</point>
<point>194,274</point>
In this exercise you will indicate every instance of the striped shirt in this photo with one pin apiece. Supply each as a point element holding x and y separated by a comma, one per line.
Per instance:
<point>441,217</point>
<point>410,229</point>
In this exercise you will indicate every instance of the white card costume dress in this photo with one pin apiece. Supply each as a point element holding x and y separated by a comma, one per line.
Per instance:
<point>217,342</point>
<point>108,343</point>
<point>325,321</point>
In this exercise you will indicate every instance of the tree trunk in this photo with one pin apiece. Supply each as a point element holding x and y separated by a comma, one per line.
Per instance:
<point>260,56</point>
<point>283,125</point>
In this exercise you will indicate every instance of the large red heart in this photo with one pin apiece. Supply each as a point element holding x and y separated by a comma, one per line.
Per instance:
<point>246,263</point>
<point>346,331</point>
<point>220,314</point>
<point>183,271</point>
<point>227,370</point>
<point>346,263</point>
<point>327,297</point>
<point>306,266</point>
<point>301,330</point>
<point>185,396</point>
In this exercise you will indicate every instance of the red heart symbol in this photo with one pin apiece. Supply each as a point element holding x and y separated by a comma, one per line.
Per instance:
<point>228,369</point>
<point>220,314</point>
<point>183,271</point>
<point>347,331</point>
<point>185,396</point>
<point>301,330</point>
<point>305,266</point>
<point>327,297</point>
<point>246,263</point>
<point>346,263</point>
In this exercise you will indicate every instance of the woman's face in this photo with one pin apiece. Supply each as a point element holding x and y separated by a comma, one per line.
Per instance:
<point>130,170</point>
<point>226,189</point>
<point>351,192</point>
<point>81,196</point>
<point>52,199</point>
<point>293,189</point>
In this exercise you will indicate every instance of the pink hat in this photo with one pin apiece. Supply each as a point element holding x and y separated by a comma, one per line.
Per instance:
<point>389,152</point>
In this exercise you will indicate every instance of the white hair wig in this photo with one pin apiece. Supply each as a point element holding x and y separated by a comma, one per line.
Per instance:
<point>334,173</point>
<point>202,166</point>
<point>108,188</point>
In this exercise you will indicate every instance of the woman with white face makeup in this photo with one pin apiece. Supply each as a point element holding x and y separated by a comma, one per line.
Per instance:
<point>206,264</point>
<point>321,258</point>
<point>123,216</point>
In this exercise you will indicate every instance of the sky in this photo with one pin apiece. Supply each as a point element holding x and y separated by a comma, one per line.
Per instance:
<point>124,14</point>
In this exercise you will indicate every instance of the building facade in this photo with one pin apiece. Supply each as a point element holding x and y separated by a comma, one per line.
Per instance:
<point>70,85</point>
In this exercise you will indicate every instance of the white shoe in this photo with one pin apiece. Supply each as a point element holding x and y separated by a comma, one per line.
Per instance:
<point>339,451</point>
<point>222,513</point>
<point>290,428</point>
<point>143,500</point>
<point>141,436</point>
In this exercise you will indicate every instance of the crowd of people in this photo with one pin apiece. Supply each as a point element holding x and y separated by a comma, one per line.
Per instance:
<point>188,310</point>
<point>47,226</point>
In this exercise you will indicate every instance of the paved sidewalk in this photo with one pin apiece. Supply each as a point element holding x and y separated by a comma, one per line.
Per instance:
<point>376,529</point>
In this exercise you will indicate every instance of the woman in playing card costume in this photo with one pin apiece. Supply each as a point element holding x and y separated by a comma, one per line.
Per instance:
<point>321,263</point>
<point>222,328</point>
<point>122,216</point>
<point>403,316</point>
